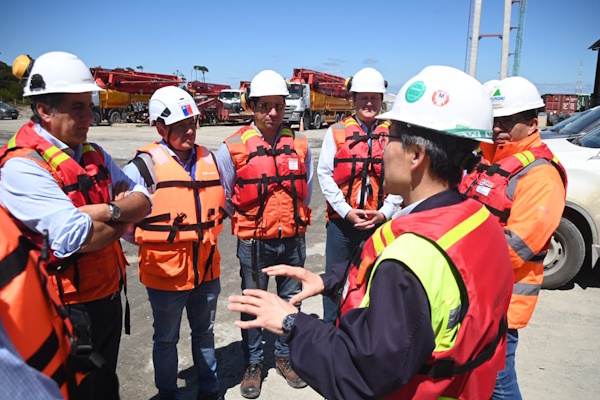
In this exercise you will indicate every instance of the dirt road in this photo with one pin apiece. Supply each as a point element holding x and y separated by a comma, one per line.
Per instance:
<point>557,356</point>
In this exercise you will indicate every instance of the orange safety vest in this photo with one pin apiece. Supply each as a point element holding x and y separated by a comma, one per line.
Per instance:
<point>357,164</point>
<point>494,185</point>
<point>83,277</point>
<point>468,369</point>
<point>176,252</point>
<point>31,311</point>
<point>271,185</point>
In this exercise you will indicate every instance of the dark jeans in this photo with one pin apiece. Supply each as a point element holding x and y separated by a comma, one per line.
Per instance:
<point>268,252</point>
<point>507,386</point>
<point>342,240</point>
<point>167,309</point>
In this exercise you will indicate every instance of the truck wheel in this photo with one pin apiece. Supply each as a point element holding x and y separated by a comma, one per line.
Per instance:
<point>306,120</point>
<point>97,118</point>
<point>115,117</point>
<point>565,255</point>
<point>317,122</point>
<point>339,117</point>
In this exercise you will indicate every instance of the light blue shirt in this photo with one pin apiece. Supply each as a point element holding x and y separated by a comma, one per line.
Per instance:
<point>20,381</point>
<point>229,174</point>
<point>30,193</point>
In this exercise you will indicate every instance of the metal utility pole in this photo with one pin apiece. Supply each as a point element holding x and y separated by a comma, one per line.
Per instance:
<point>475,38</point>
<point>505,39</point>
<point>519,41</point>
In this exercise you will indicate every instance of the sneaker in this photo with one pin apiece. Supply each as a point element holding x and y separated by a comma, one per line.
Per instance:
<point>250,387</point>
<point>282,364</point>
<point>209,396</point>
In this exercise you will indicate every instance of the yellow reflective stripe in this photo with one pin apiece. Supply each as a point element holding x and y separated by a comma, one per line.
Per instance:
<point>386,229</point>
<point>349,122</point>
<point>52,158</point>
<point>248,134</point>
<point>12,143</point>
<point>378,243</point>
<point>525,157</point>
<point>287,132</point>
<point>463,229</point>
<point>555,160</point>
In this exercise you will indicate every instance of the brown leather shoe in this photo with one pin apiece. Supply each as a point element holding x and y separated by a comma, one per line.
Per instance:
<point>282,364</point>
<point>250,387</point>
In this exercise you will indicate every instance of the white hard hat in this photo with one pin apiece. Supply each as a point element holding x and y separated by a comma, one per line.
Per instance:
<point>447,100</point>
<point>171,104</point>
<point>59,72</point>
<point>490,85</point>
<point>367,80</point>
<point>268,83</point>
<point>514,95</point>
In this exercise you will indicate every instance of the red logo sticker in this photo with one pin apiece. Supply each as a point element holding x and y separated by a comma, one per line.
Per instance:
<point>440,98</point>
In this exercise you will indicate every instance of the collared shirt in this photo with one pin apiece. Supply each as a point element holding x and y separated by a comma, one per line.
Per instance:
<point>332,191</point>
<point>229,174</point>
<point>30,193</point>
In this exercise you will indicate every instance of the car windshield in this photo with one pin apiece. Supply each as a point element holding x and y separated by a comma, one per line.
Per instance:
<point>590,139</point>
<point>229,95</point>
<point>4,105</point>
<point>295,92</point>
<point>565,122</point>
<point>581,123</point>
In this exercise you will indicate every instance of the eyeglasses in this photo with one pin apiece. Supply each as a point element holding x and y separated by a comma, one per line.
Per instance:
<point>507,123</point>
<point>269,106</point>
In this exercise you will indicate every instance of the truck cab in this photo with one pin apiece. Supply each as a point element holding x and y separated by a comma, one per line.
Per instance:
<point>232,100</point>
<point>297,104</point>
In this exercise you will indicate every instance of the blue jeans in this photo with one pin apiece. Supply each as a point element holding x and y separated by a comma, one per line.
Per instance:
<point>268,252</point>
<point>342,239</point>
<point>167,308</point>
<point>507,386</point>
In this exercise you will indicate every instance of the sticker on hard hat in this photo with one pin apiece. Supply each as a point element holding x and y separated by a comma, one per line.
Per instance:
<point>187,109</point>
<point>440,98</point>
<point>497,99</point>
<point>415,91</point>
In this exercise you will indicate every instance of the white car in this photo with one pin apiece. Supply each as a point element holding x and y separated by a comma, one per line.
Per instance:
<point>577,238</point>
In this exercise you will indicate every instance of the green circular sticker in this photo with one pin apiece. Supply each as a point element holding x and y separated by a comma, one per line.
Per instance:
<point>415,91</point>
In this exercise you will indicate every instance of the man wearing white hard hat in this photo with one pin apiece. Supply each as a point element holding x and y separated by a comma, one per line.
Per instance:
<point>524,185</point>
<point>423,313</point>
<point>179,261</point>
<point>55,183</point>
<point>350,174</point>
<point>266,171</point>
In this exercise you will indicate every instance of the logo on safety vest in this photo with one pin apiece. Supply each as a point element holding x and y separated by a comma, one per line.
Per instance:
<point>440,98</point>
<point>415,91</point>
<point>484,187</point>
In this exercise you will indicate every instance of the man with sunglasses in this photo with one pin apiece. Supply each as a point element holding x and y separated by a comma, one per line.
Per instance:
<point>423,316</point>
<point>524,185</point>
<point>179,261</point>
<point>266,171</point>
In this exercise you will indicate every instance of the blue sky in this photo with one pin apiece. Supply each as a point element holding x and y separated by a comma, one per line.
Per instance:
<point>237,39</point>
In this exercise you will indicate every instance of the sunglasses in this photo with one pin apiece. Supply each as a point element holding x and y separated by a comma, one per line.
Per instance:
<point>507,123</point>
<point>269,106</point>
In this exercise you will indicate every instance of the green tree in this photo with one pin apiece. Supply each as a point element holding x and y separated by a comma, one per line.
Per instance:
<point>202,69</point>
<point>10,87</point>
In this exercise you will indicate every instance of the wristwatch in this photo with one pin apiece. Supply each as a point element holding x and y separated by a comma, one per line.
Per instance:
<point>288,323</point>
<point>115,211</point>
